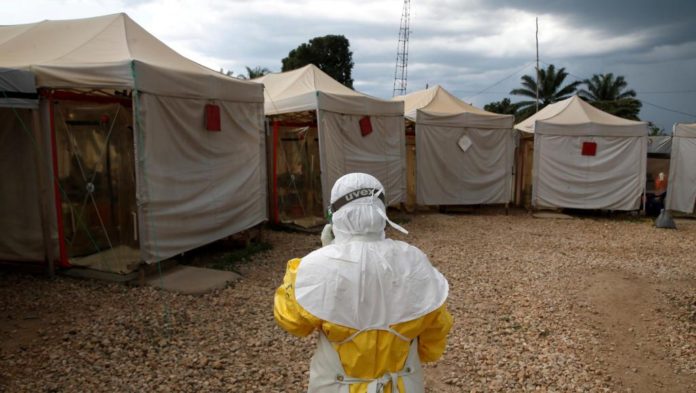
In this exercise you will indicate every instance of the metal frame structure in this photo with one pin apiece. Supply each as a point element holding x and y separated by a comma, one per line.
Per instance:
<point>401,69</point>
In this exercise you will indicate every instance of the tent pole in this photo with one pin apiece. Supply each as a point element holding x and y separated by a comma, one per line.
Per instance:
<point>44,202</point>
<point>274,192</point>
<point>63,261</point>
<point>537,65</point>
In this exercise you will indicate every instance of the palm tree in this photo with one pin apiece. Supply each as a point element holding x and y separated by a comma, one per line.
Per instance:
<point>551,89</point>
<point>504,107</point>
<point>610,94</point>
<point>256,72</point>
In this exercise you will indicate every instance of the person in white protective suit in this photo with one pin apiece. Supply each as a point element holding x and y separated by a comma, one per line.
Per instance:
<point>378,304</point>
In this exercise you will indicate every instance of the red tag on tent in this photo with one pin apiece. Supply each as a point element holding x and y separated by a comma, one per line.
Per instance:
<point>365,126</point>
<point>589,148</point>
<point>212,117</point>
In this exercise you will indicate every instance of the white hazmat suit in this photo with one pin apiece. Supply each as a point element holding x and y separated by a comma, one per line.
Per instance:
<point>378,304</point>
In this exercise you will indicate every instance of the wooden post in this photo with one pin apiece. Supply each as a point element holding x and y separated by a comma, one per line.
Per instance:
<point>63,261</point>
<point>42,182</point>
<point>274,174</point>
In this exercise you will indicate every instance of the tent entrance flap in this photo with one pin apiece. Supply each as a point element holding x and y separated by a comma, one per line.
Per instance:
<point>96,173</point>
<point>297,176</point>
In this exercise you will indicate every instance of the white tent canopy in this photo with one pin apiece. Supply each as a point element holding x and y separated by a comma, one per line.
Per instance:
<point>112,51</point>
<point>464,155</point>
<point>585,158</point>
<point>193,186</point>
<point>438,106</point>
<point>309,89</point>
<point>681,187</point>
<point>660,144</point>
<point>342,147</point>
<point>574,116</point>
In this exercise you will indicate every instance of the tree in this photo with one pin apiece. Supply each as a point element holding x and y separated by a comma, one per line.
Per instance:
<point>253,73</point>
<point>330,53</point>
<point>504,107</point>
<point>551,89</point>
<point>655,130</point>
<point>611,94</point>
<point>228,72</point>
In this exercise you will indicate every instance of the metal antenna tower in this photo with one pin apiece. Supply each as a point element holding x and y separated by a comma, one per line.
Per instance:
<point>401,70</point>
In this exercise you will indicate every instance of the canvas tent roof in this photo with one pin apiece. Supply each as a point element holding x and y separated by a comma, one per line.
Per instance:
<point>436,105</point>
<point>574,116</point>
<point>112,51</point>
<point>684,130</point>
<point>659,144</point>
<point>309,88</point>
<point>17,89</point>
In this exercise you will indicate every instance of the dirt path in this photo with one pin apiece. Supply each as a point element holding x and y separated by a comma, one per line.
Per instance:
<point>628,312</point>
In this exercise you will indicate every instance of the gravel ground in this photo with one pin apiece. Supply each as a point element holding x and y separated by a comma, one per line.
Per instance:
<point>588,304</point>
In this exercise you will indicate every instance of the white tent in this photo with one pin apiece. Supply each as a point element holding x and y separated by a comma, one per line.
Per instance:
<point>585,158</point>
<point>660,145</point>
<point>464,155</point>
<point>681,187</point>
<point>344,145</point>
<point>192,136</point>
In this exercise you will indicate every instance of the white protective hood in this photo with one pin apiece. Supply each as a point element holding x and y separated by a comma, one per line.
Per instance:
<point>476,171</point>
<point>681,185</point>
<point>364,281</point>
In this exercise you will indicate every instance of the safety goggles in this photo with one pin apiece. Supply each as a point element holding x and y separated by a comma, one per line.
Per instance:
<point>354,195</point>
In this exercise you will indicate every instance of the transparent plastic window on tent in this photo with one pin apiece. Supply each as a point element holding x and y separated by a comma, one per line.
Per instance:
<point>96,168</point>
<point>299,177</point>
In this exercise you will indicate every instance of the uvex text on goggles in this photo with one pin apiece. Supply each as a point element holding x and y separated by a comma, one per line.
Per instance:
<point>353,195</point>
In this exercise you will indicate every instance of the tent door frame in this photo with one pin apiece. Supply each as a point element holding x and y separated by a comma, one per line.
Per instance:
<point>62,250</point>
<point>52,96</point>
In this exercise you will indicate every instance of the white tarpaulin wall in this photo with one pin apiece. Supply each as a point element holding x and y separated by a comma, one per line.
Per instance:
<point>22,164</point>
<point>447,175</point>
<point>342,147</point>
<point>21,235</point>
<point>476,171</point>
<point>193,186</point>
<point>196,186</point>
<point>681,186</point>
<point>566,176</point>
<point>344,150</point>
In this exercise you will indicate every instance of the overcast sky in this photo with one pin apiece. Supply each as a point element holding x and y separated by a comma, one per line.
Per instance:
<point>477,49</point>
